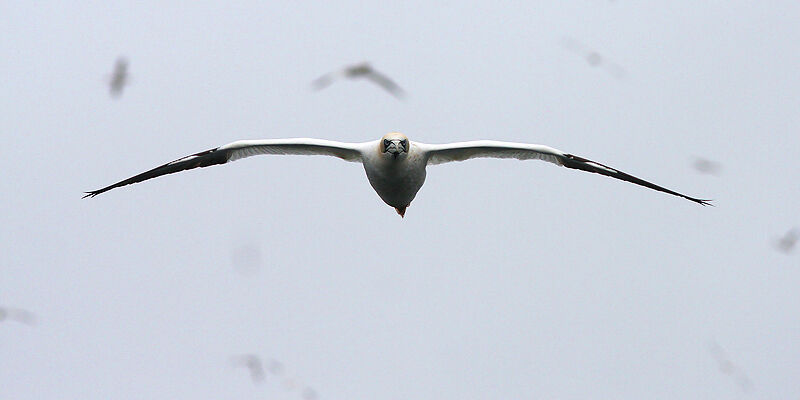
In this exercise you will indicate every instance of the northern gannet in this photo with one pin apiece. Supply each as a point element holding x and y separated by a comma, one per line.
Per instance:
<point>362,70</point>
<point>394,165</point>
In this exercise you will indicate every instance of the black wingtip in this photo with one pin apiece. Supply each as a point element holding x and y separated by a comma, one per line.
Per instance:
<point>90,194</point>
<point>704,202</point>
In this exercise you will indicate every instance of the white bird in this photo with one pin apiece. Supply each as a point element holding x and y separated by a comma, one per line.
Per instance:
<point>362,70</point>
<point>394,165</point>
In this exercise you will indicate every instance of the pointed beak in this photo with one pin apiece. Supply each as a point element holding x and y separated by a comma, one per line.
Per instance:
<point>395,148</point>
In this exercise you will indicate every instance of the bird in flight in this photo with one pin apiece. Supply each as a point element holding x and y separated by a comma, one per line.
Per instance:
<point>119,77</point>
<point>395,166</point>
<point>592,57</point>
<point>788,241</point>
<point>706,166</point>
<point>727,367</point>
<point>362,70</point>
<point>22,316</point>
<point>253,363</point>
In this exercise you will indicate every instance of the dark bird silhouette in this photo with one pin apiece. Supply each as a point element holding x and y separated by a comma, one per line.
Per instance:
<point>727,367</point>
<point>357,71</point>
<point>18,315</point>
<point>593,57</point>
<point>253,363</point>
<point>788,241</point>
<point>119,77</point>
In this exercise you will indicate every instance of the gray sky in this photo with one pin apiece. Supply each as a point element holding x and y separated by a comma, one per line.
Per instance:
<point>505,280</point>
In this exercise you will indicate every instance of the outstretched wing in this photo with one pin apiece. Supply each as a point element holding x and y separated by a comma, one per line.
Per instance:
<point>324,81</point>
<point>357,71</point>
<point>386,83</point>
<point>241,149</point>
<point>442,153</point>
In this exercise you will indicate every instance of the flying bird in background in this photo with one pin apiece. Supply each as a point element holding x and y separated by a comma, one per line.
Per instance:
<point>395,166</point>
<point>356,71</point>
<point>119,77</point>
<point>309,394</point>
<point>18,315</point>
<point>727,367</point>
<point>706,166</point>
<point>592,57</point>
<point>788,241</point>
<point>253,363</point>
<point>257,372</point>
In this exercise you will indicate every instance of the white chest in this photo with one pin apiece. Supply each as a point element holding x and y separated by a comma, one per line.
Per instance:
<point>396,181</point>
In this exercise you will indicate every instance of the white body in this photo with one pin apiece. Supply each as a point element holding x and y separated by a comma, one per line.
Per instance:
<point>396,181</point>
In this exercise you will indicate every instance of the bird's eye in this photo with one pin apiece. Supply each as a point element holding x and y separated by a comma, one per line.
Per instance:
<point>386,143</point>
<point>405,144</point>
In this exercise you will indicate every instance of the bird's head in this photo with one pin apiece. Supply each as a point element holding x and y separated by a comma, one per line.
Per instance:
<point>358,69</point>
<point>394,145</point>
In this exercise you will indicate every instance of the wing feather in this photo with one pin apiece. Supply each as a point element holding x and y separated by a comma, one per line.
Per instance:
<point>241,149</point>
<point>442,153</point>
<point>387,84</point>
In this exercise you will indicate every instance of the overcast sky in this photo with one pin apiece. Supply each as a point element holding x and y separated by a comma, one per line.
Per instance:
<point>505,279</point>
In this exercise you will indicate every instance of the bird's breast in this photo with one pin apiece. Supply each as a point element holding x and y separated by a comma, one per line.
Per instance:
<point>396,181</point>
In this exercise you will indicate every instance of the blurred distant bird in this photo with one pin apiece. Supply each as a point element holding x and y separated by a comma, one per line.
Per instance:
<point>119,77</point>
<point>363,70</point>
<point>253,363</point>
<point>309,394</point>
<point>395,166</point>
<point>256,367</point>
<point>788,241</point>
<point>728,368</point>
<point>15,314</point>
<point>706,166</point>
<point>593,58</point>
